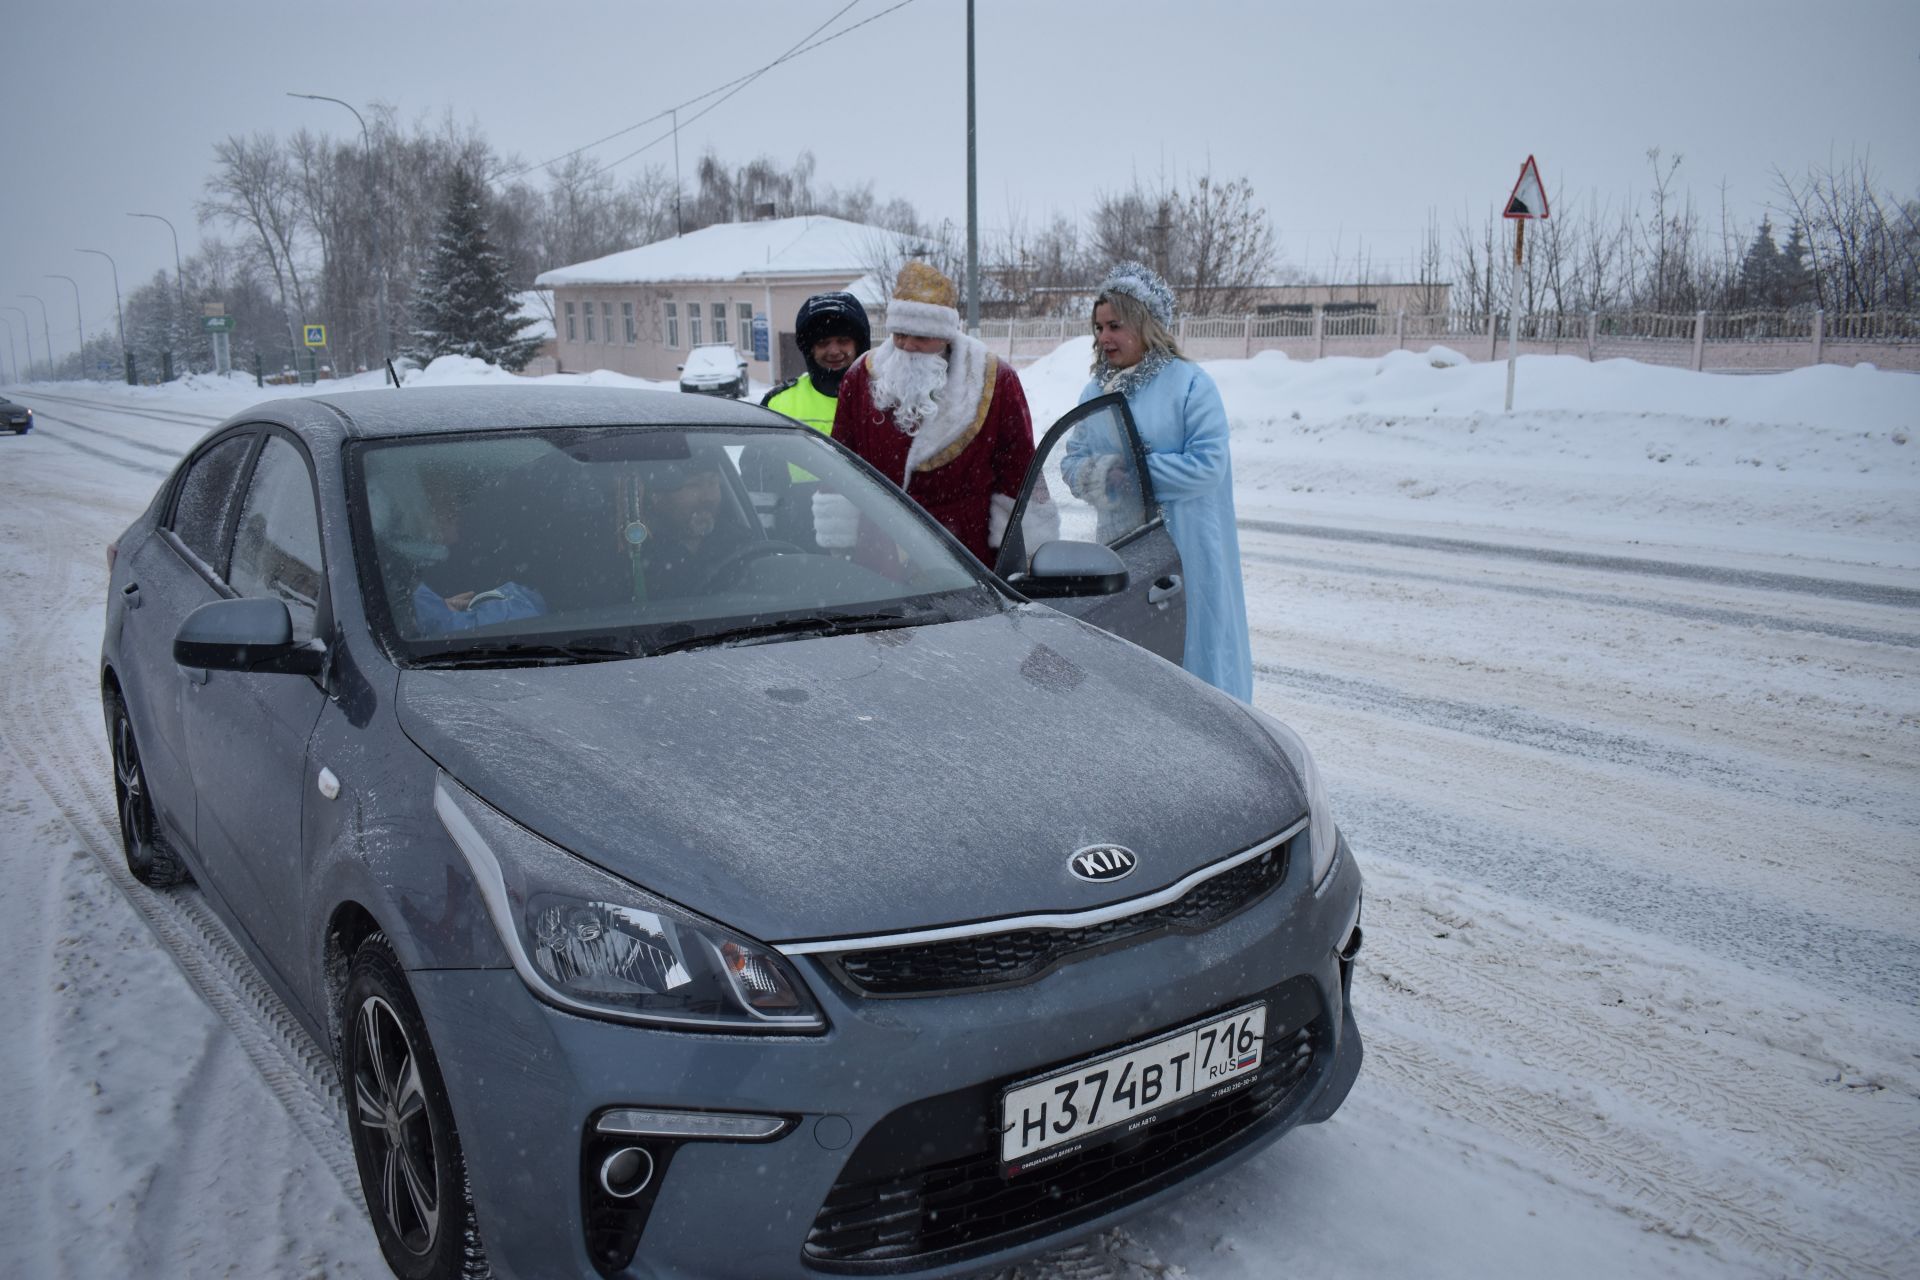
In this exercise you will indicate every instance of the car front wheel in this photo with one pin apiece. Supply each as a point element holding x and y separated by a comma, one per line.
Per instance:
<point>404,1142</point>
<point>149,857</point>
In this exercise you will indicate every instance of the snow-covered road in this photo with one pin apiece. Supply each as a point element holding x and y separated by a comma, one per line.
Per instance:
<point>1638,813</point>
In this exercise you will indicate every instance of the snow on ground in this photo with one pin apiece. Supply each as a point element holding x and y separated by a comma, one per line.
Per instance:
<point>1619,701</point>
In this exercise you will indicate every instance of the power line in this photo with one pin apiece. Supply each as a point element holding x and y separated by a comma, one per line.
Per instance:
<point>728,89</point>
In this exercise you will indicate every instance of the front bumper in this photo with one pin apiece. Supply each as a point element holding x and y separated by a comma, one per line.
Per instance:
<point>888,1105</point>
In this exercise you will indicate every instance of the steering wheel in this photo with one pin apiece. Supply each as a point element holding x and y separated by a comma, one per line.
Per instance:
<point>730,565</point>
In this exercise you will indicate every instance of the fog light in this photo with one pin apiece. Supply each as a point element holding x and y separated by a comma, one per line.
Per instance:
<point>626,1173</point>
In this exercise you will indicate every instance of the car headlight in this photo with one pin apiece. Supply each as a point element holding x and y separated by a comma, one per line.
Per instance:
<point>590,942</point>
<point>1323,834</point>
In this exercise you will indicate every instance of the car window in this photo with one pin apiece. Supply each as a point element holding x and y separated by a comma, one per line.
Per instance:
<point>644,536</point>
<point>205,498</point>
<point>1089,468</point>
<point>276,546</point>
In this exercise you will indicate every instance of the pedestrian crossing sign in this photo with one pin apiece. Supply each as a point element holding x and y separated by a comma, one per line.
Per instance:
<point>316,335</point>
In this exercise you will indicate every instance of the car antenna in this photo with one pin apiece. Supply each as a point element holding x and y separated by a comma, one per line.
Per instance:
<point>391,373</point>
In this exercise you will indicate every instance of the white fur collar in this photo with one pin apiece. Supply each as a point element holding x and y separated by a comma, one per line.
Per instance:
<point>959,412</point>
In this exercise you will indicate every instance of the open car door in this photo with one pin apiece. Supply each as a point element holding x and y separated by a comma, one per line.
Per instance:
<point>1090,471</point>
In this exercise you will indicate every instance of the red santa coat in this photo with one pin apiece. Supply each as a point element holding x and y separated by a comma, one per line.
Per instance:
<point>988,454</point>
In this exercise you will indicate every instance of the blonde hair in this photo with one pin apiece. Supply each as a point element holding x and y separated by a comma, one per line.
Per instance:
<point>1133,314</point>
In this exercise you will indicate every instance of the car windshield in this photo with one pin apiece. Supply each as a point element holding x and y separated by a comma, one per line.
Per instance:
<point>702,361</point>
<point>583,544</point>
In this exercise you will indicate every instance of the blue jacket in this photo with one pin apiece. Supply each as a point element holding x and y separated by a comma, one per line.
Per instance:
<point>1183,425</point>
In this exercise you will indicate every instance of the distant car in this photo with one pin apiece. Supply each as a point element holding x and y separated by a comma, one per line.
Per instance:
<point>682,901</point>
<point>715,370</point>
<point>17,418</point>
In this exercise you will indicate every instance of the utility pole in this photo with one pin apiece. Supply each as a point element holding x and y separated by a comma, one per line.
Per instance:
<point>46,328</point>
<point>26,327</point>
<point>373,197</point>
<point>973,197</point>
<point>119,315</point>
<point>676,177</point>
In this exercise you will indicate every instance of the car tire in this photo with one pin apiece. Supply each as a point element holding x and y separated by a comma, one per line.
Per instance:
<point>150,858</point>
<point>412,1173</point>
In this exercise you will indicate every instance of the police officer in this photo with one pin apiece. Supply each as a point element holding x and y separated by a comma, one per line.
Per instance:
<point>832,333</point>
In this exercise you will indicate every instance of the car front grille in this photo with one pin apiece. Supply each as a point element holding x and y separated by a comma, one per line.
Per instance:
<point>1021,955</point>
<point>905,1199</point>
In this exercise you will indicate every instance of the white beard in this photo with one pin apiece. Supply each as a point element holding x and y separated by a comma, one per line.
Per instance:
<point>907,384</point>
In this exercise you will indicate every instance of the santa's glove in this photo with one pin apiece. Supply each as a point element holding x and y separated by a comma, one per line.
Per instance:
<point>836,521</point>
<point>999,512</point>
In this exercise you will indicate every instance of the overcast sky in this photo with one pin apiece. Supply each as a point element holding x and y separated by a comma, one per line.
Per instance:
<point>1351,120</point>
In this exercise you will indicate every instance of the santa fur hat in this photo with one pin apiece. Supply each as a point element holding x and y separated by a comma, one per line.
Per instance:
<point>923,304</point>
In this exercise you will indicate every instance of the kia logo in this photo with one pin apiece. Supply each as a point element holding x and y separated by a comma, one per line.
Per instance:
<point>1102,862</point>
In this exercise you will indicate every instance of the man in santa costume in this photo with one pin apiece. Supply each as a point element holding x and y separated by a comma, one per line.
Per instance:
<point>938,414</point>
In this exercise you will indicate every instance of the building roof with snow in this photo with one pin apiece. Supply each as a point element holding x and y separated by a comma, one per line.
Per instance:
<point>792,248</point>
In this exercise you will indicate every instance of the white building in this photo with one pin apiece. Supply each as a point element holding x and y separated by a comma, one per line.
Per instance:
<point>639,311</point>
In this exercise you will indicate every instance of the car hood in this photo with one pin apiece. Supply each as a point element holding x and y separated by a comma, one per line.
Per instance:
<point>867,783</point>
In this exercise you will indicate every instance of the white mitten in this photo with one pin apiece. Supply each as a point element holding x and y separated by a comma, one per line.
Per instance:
<point>836,521</point>
<point>1106,479</point>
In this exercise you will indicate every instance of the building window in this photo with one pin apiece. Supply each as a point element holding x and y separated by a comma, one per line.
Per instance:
<point>743,311</point>
<point>673,324</point>
<point>606,318</point>
<point>693,324</point>
<point>719,322</point>
<point>572,336</point>
<point>587,308</point>
<point>626,315</point>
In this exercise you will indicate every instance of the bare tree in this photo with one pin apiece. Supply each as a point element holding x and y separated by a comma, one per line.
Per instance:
<point>253,187</point>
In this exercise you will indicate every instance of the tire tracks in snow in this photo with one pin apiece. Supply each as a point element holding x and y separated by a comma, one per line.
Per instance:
<point>1518,727</point>
<point>70,765</point>
<point>1715,614</point>
<point>1802,584</point>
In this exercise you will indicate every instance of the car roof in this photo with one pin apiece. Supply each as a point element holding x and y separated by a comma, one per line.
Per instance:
<point>427,411</point>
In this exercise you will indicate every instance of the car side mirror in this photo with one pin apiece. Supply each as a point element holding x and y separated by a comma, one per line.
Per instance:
<point>248,634</point>
<point>681,368</point>
<point>1061,568</point>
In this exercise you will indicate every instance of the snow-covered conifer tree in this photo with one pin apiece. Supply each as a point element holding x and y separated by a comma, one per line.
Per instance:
<point>463,303</point>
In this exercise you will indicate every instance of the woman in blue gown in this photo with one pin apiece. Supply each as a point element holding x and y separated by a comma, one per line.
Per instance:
<point>1177,410</point>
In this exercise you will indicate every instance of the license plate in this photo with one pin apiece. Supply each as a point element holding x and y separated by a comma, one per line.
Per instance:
<point>1059,1114</point>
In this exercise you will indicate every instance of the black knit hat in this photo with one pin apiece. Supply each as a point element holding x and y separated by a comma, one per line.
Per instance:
<point>830,315</point>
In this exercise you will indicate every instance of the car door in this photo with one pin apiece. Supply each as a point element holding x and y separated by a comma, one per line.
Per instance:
<point>1089,483</point>
<point>169,575</point>
<point>247,732</point>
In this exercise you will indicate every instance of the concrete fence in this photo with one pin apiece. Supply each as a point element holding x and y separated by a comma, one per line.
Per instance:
<point>1715,342</point>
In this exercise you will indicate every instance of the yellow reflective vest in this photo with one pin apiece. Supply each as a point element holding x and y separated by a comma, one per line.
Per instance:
<point>804,402</point>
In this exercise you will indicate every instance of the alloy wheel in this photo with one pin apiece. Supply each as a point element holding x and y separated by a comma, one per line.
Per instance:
<point>390,1108</point>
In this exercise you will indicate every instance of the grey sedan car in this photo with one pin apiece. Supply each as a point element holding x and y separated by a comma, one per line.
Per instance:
<point>683,899</point>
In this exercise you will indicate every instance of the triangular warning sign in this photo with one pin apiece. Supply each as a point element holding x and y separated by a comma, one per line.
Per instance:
<point>1529,198</point>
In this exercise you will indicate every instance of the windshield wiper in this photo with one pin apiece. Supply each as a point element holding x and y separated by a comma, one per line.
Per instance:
<point>522,653</point>
<point>813,624</point>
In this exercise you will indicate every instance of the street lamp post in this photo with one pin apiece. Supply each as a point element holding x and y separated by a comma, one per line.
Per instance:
<point>26,327</point>
<point>179,280</point>
<point>119,315</point>
<point>373,195</point>
<point>79,326</point>
<point>46,328</point>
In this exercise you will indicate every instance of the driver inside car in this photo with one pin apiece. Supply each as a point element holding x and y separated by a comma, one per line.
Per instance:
<point>689,535</point>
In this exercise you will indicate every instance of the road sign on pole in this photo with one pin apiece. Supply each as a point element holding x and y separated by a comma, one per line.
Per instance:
<point>316,335</point>
<point>1527,200</point>
<point>217,324</point>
